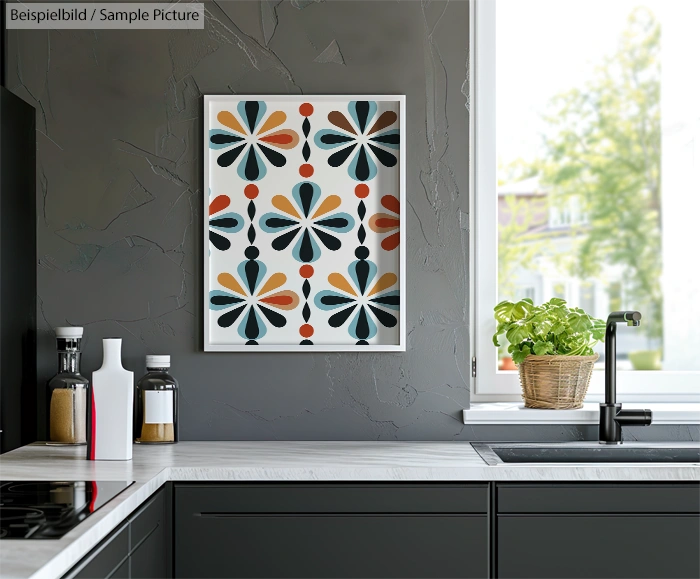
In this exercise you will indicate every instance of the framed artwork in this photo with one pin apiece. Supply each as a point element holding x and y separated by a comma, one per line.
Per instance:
<point>304,249</point>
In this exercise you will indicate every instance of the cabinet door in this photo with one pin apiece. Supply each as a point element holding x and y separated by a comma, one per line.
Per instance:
<point>150,540</point>
<point>567,546</point>
<point>331,531</point>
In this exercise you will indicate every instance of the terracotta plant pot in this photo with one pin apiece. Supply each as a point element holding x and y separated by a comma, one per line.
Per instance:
<point>507,363</point>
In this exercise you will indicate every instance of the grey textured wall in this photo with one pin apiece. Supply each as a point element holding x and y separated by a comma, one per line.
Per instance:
<point>119,194</point>
<point>119,198</point>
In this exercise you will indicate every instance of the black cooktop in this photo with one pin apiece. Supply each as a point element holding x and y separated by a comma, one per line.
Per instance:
<point>48,510</point>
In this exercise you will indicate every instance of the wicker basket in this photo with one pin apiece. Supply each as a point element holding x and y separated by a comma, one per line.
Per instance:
<point>557,382</point>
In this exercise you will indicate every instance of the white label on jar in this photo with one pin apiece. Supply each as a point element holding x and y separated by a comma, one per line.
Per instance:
<point>159,407</point>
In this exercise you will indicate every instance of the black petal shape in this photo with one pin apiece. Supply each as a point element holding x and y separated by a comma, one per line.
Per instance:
<point>252,270</point>
<point>229,318</point>
<point>219,241</point>
<point>306,288</point>
<point>388,139</point>
<point>337,320</point>
<point>387,320</point>
<point>220,139</point>
<point>276,319</point>
<point>251,172</point>
<point>362,168</point>
<point>224,222</point>
<point>361,210</point>
<point>281,242</point>
<point>306,194</point>
<point>306,151</point>
<point>251,234</point>
<point>333,223</point>
<point>251,113</point>
<point>387,300</point>
<point>385,158</point>
<point>277,159</point>
<point>252,330</point>
<point>330,241</point>
<point>306,251</point>
<point>362,328</point>
<point>251,210</point>
<point>278,222</point>
<point>362,109</point>
<point>306,127</point>
<point>227,158</point>
<point>361,234</point>
<point>251,343</point>
<point>337,159</point>
<point>332,300</point>
<point>362,272</point>
<point>306,343</point>
<point>306,312</point>
<point>225,300</point>
<point>332,139</point>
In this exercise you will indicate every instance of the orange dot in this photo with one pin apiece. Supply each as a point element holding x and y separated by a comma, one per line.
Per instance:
<point>362,190</point>
<point>306,110</point>
<point>251,191</point>
<point>306,331</point>
<point>306,170</point>
<point>306,271</point>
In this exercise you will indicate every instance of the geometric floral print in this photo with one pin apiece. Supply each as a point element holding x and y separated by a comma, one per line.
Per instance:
<point>304,217</point>
<point>370,137</point>
<point>359,295</point>
<point>247,144</point>
<point>304,223</point>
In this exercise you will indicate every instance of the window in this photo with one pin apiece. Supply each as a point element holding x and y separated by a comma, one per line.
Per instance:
<point>586,159</point>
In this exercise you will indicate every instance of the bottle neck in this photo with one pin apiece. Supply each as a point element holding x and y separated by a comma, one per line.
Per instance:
<point>164,369</point>
<point>69,362</point>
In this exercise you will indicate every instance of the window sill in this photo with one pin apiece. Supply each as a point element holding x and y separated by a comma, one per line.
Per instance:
<point>516,413</point>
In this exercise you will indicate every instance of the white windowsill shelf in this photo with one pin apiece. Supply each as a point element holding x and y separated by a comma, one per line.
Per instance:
<point>516,413</point>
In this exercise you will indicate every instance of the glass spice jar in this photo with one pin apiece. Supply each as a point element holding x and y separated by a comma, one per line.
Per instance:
<point>68,391</point>
<point>156,404</point>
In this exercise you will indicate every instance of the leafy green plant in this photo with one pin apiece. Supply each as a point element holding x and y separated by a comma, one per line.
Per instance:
<point>549,329</point>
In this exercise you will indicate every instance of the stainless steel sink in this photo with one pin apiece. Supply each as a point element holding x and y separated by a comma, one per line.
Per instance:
<point>499,453</point>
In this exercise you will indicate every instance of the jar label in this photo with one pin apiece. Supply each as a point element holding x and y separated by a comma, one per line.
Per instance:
<point>158,407</point>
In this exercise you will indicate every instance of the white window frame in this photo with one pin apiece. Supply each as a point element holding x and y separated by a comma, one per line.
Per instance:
<point>488,384</point>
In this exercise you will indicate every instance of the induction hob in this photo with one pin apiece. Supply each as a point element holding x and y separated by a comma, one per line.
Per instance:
<point>48,510</point>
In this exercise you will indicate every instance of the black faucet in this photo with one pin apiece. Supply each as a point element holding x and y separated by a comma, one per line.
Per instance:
<point>612,417</point>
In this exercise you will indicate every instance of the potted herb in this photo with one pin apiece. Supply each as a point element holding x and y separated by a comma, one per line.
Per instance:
<point>553,348</point>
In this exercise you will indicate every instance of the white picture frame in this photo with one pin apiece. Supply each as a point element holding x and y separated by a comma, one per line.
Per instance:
<point>230,177</point>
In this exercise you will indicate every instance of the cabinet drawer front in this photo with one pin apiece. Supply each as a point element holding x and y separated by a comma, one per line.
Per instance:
<point>147,519</point>
<point>331,546</point>
<point>104,560</point>
<point>333,498</point>
<point>630,546</point>
<point>599,498</point>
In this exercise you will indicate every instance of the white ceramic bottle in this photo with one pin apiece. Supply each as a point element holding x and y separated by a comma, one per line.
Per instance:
<point>112,402</point>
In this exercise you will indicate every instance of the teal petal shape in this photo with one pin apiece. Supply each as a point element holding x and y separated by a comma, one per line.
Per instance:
<point>327,300</point>
<point>306,249</point>
<point>331,139</point>
<point>306,194</point>
<point>251,167</point>
<point>252,113</point>
<point>362,271</point>
<point>251,273</point>
<point>231,300</point>
<point>219,139</point>
<point>275,222</point>
<point>362,167</point>
<point>227,222</point>
<point>389,139</point>
<point>362,112</point>
<point>338,222</point>
<point>252,326</point>
<point>371,328</point>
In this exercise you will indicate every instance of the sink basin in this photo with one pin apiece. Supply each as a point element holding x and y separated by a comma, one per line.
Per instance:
<point>498,453</point>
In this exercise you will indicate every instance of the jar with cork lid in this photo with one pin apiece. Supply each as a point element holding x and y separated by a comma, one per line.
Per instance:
<point>156,404</point>
<point>68,391</point>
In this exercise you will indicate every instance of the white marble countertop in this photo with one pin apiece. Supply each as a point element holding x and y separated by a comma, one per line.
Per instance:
<point>152,466</point>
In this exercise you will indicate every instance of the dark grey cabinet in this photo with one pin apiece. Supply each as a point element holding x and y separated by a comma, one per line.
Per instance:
<point>597,530</point>
<point>140,548</point>
<point>331,530</point>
